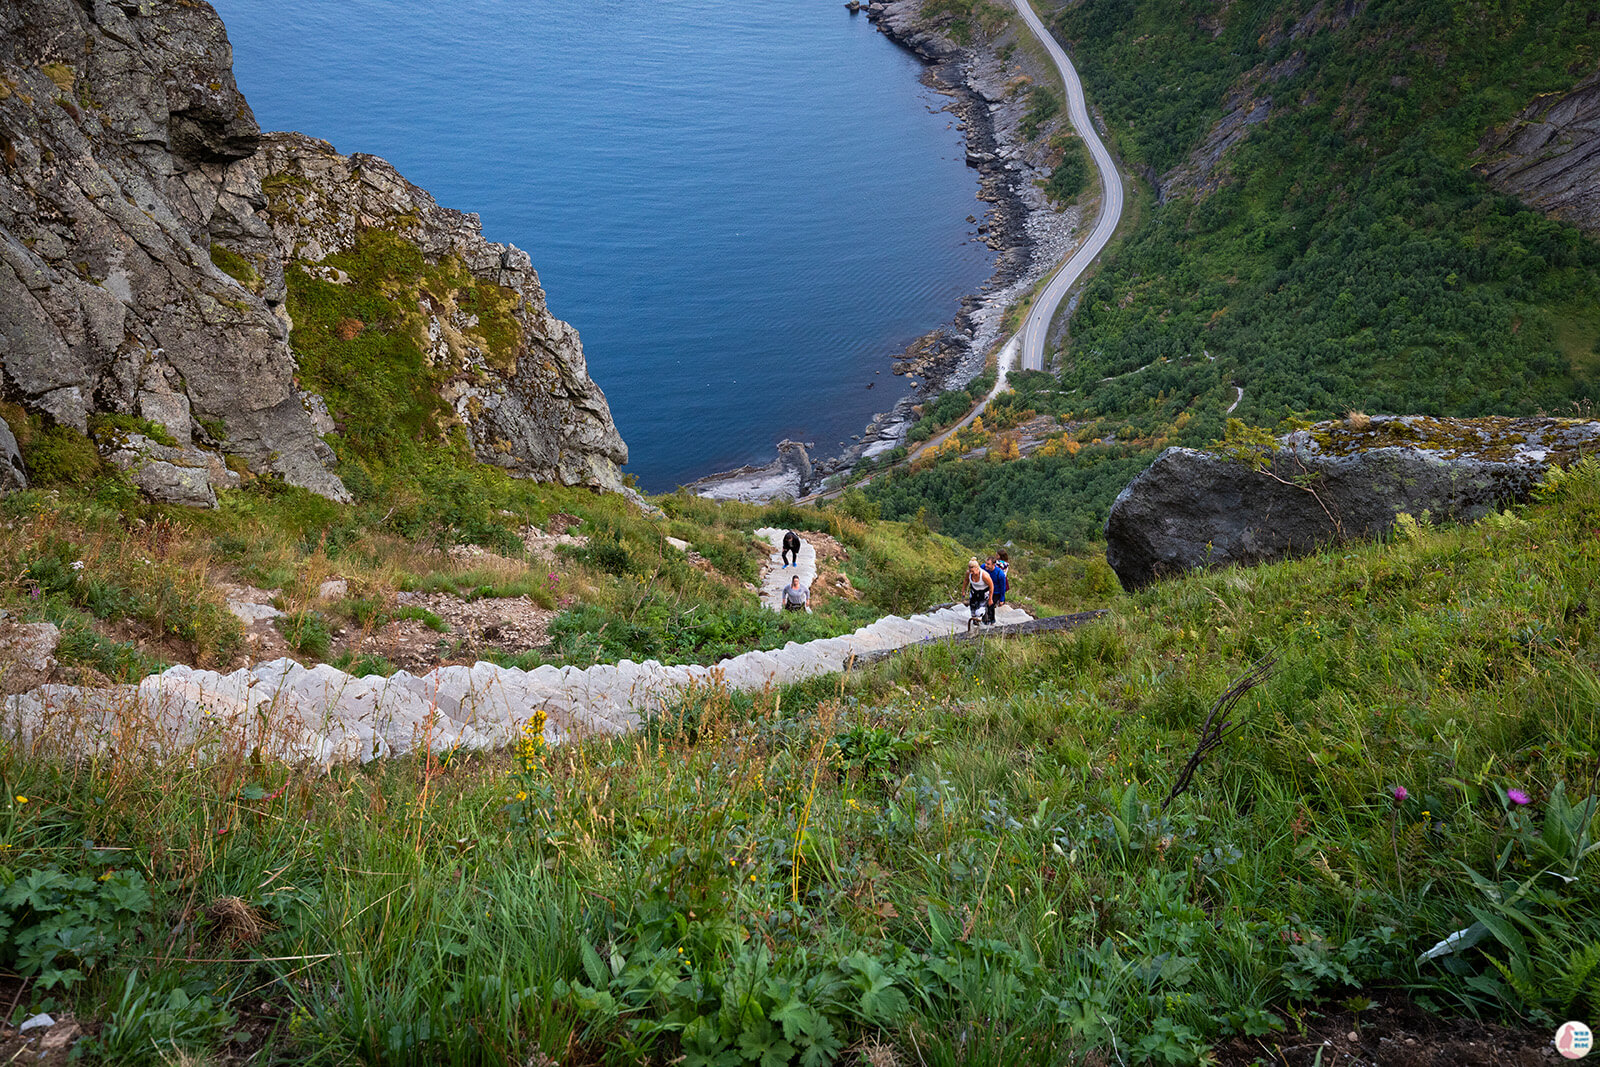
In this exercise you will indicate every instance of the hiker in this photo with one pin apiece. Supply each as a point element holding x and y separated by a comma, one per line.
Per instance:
<point>796,597</point>
<point>997,575</point>
<point>791,545</point>
<point>980,590</point>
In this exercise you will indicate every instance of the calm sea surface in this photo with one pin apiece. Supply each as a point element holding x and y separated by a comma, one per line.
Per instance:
<point>745,209</point>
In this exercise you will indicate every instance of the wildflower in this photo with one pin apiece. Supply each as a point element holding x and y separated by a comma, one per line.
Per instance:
<point>77,564</point>
<point>1400,793</point>
<point>522,794</point>
<point>21,799</point>
<point>1517,797</point>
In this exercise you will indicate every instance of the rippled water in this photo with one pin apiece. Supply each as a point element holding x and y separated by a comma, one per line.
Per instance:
<point>745,210</point>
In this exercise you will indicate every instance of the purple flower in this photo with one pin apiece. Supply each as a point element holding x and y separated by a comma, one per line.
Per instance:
<point>1400,793</point>
<point>1517,796</point>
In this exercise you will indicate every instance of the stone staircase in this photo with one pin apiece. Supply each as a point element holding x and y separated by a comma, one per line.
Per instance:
<point>777,576</point>
<point>323,715</point>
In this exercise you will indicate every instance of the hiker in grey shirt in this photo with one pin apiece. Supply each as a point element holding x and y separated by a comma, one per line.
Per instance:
<point>796,596</point>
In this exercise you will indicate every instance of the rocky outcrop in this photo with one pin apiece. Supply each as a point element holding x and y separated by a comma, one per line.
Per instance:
<point>12,473</point>
<point>1549,156</point>
<point>1335,481</point>
<point>788,477</point>
<point>120,125</point>
<point>27,654</point>
<point>514,375</point>
<point>142,271</point>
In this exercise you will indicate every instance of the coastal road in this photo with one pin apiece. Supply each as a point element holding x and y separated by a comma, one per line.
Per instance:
<point>1028,343</point>
<point>1037,326</point>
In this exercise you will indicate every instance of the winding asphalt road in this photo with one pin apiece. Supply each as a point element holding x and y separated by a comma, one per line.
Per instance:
<point>1037,326</point>
<point>1028,343</point>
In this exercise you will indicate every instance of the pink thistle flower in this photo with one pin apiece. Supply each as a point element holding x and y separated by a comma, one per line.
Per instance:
<point>1400,793</point>
<point>1517,797</point>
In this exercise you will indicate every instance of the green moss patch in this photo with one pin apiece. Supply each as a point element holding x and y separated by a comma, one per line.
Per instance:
<point>235,266</point>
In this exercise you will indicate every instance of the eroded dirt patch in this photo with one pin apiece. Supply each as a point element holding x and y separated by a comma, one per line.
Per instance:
<point>508,625</point>
<point>831,556</point>
<point>1393,1034</point>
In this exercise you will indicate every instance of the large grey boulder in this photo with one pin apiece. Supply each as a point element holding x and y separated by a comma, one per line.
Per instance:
<point>27,654</point>
<point>174,475</point>
<point>1335,481</point>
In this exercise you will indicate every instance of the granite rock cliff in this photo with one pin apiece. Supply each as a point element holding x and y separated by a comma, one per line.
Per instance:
<point>1334,481</point>
<point>131,190</point>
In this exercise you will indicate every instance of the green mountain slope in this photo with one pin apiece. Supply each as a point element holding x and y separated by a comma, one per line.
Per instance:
<point>1321,241</point>
<point>963,855</point>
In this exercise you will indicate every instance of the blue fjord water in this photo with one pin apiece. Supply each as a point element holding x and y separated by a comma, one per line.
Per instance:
<point>745,209</point>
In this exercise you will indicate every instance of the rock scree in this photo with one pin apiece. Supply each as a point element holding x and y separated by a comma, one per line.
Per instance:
<point>1334,481</point>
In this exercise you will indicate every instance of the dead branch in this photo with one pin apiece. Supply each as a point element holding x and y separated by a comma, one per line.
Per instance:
<point>1218,723</point>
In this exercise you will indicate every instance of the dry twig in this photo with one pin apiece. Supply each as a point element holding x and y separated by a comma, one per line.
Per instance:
<point>1218,724</point>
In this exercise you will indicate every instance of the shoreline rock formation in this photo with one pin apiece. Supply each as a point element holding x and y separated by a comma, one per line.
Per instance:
<point>1333,482</point>
<point>142,275</point>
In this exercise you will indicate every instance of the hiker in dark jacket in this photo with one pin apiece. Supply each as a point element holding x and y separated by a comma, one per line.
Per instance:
<point>791,546</point>
<point>997,574</point>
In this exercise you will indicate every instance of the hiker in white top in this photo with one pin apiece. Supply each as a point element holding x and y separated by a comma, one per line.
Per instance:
<point>796,597</point>
<point>980,590</point>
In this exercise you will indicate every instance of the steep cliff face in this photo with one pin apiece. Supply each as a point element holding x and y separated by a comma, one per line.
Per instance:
<point>142,268</point>
<point>511,375</point>
<point>1549,156</point>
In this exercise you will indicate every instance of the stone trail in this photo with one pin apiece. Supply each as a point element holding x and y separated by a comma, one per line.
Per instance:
<point>777,576</point>
<point>323,715</point>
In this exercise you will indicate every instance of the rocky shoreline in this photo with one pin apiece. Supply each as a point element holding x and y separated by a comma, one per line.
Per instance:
<point>987,90</point>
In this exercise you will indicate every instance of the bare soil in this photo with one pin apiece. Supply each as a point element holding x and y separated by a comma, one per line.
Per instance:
<point>831,578</point>
<point>1395,1033</point>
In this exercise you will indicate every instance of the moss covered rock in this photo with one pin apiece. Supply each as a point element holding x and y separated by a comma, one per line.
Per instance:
<point>1257,500</point>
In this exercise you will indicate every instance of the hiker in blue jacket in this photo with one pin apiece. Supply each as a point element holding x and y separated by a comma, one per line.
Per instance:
<point>997,574</point>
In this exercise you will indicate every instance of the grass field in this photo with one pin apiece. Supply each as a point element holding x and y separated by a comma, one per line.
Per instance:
<point>961,856</point>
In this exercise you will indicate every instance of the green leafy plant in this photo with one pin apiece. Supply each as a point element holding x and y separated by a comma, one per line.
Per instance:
<point>306,631</point>
<point>154,1020</point>
<point>59,927</point>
